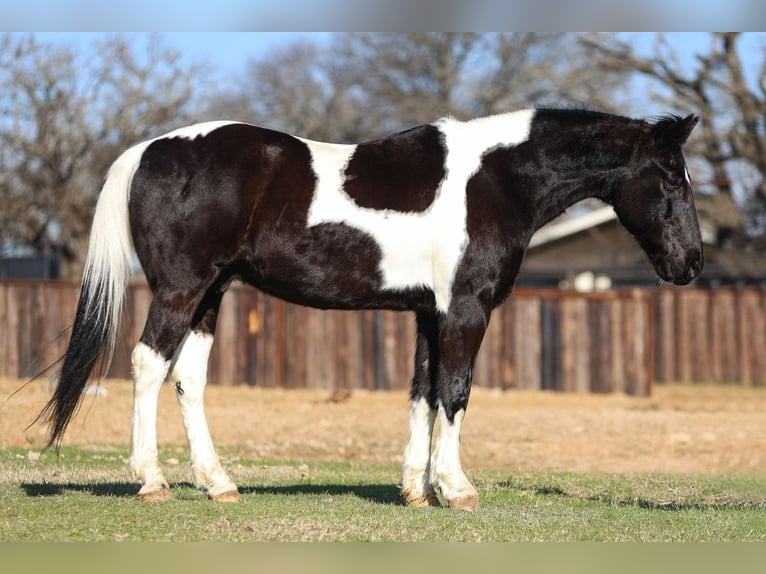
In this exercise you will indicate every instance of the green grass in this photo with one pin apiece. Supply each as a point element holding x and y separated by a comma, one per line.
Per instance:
<point>86,495</point>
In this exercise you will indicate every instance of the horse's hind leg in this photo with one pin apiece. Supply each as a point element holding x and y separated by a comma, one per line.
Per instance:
<point>416,486</point>
<point>189,374</point>
<point>149,372</point>
<point>169,319</point>
<point>150,368</point>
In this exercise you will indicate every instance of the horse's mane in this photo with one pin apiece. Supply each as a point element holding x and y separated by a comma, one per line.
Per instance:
<point>663,120</point>
<point>584,113</point>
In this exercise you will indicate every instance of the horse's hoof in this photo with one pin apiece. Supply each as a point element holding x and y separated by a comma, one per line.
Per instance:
<point>469,502</point>
<point>427,499</point>
<point>228,496</point>
<point>158,495</point>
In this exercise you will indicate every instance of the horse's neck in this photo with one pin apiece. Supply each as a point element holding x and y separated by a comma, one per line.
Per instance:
<point>557,194</point>
<point>571,173</point>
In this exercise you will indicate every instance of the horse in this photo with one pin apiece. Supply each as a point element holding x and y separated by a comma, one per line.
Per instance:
<point>433,220</point>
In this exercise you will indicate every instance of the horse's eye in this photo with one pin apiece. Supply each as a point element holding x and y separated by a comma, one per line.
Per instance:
<point>673,183</point>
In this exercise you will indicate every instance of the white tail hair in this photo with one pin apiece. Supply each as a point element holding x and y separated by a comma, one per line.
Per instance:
<point>110,249</point>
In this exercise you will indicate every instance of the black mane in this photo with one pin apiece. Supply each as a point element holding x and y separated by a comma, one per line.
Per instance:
<point>664,120</point>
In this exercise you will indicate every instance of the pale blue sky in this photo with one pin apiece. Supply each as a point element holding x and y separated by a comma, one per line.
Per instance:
<point>240,15</point>
<point>229,51</point>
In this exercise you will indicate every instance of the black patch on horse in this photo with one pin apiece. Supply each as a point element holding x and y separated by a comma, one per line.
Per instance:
<point>400,173</point>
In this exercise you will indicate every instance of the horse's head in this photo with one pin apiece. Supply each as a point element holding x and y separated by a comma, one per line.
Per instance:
<point>654,202</point>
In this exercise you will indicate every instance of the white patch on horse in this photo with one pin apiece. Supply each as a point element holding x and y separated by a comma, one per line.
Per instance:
<point>190,376</point>
<point>418,249</point>
<point>196,130</point>
<point>149,372</point>
<point>446,469</point>
<point>686,174</point>
<point>417,454</point>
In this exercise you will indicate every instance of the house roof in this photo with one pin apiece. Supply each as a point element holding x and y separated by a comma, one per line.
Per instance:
<point>550,255</point>
<point>560,228</point>
<point>714,210</point>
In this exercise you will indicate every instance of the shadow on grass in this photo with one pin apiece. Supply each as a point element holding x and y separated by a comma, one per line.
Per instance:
<point>377,493</point>
<point>635,501</point>
<point>108,489</point>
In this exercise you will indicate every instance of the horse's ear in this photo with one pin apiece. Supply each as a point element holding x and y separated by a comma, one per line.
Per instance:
<point>673,131</point>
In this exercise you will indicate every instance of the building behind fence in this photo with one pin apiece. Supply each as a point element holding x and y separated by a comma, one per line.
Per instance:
<point>618,341</point>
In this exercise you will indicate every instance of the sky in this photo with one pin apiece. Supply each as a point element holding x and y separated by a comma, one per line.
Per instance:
<point>218,31</point>
<point>389,15</point>
<point>229,52</point>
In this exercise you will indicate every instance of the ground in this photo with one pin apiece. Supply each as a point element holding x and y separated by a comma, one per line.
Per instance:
<point>695,429</point>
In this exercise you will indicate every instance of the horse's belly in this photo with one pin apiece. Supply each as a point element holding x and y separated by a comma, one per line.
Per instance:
<point>336,266</point>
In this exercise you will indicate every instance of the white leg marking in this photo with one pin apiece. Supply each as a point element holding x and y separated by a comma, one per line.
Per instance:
<point>190,370</point>
<point>446,469</point>
<point>416,487</point>
<point>149,372</point>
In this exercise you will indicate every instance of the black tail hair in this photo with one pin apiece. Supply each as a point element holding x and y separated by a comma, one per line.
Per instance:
<point>90,335</point>
<point>103,289</point>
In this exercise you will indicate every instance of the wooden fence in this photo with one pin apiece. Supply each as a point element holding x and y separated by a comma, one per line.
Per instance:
<point>619,341</point>
<point>710,336</point>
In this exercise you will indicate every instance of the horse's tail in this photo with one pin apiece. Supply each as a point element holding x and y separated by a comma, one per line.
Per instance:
<point>101,295</point>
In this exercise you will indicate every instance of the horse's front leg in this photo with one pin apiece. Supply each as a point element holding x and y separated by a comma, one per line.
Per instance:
<point>459,341</point>
<point>416,485</point>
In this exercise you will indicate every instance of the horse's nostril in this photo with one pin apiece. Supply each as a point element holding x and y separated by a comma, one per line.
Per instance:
<point>694,268</point>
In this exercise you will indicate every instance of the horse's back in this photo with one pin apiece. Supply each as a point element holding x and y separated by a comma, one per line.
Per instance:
<point>249,200</point>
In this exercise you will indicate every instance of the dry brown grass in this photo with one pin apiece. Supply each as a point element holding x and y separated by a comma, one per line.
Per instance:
<point>679,429</point>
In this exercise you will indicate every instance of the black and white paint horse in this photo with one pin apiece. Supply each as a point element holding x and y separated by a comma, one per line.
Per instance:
<point>435,220</point>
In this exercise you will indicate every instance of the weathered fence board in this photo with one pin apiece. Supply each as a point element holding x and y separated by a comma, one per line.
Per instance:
<point>618,341</point>
<point>715,336</point>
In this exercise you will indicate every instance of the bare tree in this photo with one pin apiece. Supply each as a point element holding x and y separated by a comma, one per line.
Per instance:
<point>292,89</point>
<point>412,78</point>
<point>525,69</point>
<point>731,140</point>
<point>63,120</point>
<point>367,84</point>
<point>404,79</point>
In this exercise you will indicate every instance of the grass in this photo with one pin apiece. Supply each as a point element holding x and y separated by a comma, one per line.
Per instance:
<point>86,495</point>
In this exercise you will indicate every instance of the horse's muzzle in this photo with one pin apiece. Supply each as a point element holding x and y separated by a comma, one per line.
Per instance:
<point>679,272</point>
